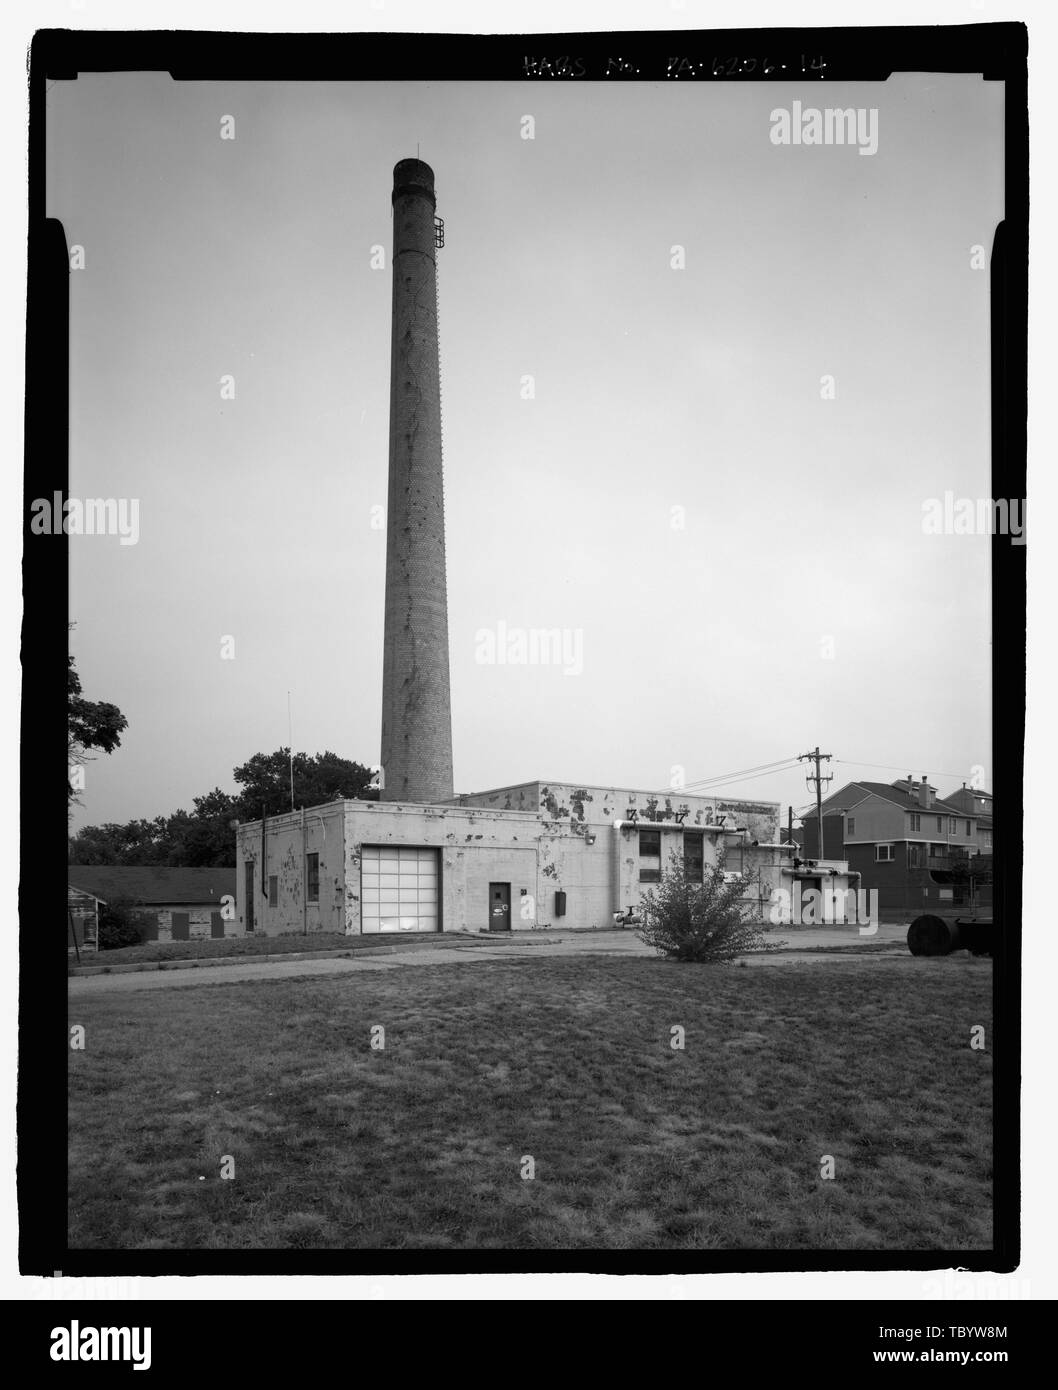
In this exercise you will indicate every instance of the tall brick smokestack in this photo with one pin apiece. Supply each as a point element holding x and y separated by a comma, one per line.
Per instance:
<point>416,702</point>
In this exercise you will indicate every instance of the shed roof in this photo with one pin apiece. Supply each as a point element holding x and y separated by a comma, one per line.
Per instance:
<point>152,883</point>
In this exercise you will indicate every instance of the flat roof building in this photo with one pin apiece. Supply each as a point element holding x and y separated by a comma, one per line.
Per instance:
<point>533,855</point>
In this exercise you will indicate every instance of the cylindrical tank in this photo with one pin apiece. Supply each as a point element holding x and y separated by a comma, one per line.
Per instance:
<point>930,935</point>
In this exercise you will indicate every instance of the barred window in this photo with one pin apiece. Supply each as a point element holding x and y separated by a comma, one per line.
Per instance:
<point>650,856</point>
<point>694,856</point>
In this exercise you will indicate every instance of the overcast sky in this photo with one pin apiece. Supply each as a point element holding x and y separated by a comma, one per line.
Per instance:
<point>655,388</point>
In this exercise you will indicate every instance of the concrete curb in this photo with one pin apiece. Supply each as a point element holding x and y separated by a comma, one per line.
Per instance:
<point>443,941</point>
<point>452,940</point>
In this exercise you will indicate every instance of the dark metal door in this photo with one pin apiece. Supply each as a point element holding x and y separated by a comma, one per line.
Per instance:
<point>499,907</point>
<point>248,870</point>
<point>181,926</point>
<point>216,924</point>
<point>810,903</point>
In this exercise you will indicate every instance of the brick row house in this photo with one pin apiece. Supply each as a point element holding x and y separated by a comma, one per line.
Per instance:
<point>919,851</point>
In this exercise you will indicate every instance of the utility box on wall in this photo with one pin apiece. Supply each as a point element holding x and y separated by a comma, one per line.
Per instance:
<point>560,902</point>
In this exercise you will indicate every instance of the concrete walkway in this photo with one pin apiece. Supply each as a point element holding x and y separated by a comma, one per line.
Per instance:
<point>797,944</point>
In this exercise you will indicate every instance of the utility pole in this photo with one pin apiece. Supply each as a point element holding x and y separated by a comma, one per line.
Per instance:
<point>817,757</point>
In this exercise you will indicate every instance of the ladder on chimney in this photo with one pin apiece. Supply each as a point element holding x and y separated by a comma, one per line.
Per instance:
<point>438,231</point>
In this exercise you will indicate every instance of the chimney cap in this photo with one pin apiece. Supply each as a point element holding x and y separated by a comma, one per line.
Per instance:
<point>413,170</point>
<point>413,177</point>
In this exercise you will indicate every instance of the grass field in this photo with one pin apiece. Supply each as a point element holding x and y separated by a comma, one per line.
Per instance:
<point>568,1061</point>
<point>206,948</point>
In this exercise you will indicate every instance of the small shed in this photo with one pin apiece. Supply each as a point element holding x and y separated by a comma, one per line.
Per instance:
<point>82,912</point>
<point>173,904</point>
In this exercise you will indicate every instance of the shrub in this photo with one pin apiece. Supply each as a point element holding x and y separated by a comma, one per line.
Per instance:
<point>702,922</point>
<point>120,924</point>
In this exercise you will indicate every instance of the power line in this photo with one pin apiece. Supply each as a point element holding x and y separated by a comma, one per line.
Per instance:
<point>883,767</point>
<point>762,769</point>
<point>734,780</point>
<point>740,772</point>
<point>737,781</point>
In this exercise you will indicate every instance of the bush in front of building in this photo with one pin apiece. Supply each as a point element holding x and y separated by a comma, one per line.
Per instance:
<point>120,924</point>
<point>703,922</point>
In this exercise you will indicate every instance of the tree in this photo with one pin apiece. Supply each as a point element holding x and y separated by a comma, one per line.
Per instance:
<point>265,781</point>
<point>703,922</point>
<point>135,842</point>
<point>205,837</point>
<point>89,724</point>
<point>121,923</point>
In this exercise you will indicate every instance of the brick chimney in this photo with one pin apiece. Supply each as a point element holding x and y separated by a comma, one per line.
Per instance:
<point>416,699</point>
<point>925,792</point>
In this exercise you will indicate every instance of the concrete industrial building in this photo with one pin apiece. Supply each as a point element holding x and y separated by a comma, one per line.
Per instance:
<point>532,855</point>
<point>525,857</point>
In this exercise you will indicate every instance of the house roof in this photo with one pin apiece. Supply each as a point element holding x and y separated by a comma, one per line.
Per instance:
<point>908,801</point>
<point>150,883</point>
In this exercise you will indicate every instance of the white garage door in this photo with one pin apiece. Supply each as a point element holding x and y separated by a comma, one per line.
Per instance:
<point>398,889</point>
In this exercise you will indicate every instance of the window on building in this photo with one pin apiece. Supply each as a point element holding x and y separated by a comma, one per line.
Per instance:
<point>312,878</point>
<point>852,825</point>
<point>916,856</point>
<point>273,890</point>
<point>883,854</point>
<point>953,827</point>
<point>916,821</point>
<point>693,856</point>
<point>938,851</point>
<point>940,825</point>
<point>650,856</point>
<point>968,827</point>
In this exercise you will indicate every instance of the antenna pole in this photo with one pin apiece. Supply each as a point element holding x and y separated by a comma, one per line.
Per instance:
<point>290,750</point>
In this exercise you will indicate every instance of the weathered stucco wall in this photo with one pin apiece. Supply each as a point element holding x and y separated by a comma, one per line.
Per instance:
<point>580,806</point>
<point>573,845</point>
<point>283,860</point>
<point>479,847</point>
